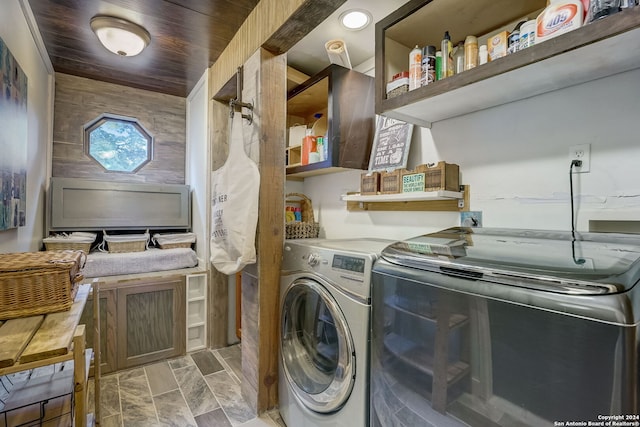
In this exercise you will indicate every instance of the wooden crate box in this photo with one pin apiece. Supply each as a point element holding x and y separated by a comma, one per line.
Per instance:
<point>369,183</point>
<point>391,182</point>
<point>443,176</point>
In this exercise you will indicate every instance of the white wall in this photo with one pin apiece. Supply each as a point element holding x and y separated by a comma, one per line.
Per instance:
<point>197,164</point>
<point>15,31</point>
<point>515,158</point>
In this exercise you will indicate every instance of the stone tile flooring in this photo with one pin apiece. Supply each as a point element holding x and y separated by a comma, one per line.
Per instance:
<point>198,390</point>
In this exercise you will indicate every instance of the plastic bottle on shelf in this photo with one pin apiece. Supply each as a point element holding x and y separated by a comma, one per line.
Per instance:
<point>447,56</point>
<point>483,54</point>
<point>527,34</point>
<point>415,68</point>
<point>470,52</point>
<point>320,148</point>
<point>561,16</point>
<point>439,65</point>
<point>514,39</point>
<point>602,8</point>
<point>458,58</point>
<point>325,148</point>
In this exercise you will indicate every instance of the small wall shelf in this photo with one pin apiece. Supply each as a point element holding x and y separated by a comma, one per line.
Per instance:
<point>196,311</point>
<point>419,201</point>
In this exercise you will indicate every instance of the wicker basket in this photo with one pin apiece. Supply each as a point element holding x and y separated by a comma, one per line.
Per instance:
<point>38,282</point>
<point>307,228</point>
<point>73,241</point>
<point>176,240</point>
<point>125,242</point>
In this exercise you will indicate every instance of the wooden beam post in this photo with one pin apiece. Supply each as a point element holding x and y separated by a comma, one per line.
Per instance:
<point>272,104</point>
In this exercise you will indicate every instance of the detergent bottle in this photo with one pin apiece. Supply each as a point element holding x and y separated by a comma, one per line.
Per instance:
<point>560,17</point>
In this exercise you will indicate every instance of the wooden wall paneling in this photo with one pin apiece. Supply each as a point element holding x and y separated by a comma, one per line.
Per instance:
<point>79,100</point>
<point>219,282</point>
<point>239,305</point>
<point>187,36</point>
<point>249,383</point>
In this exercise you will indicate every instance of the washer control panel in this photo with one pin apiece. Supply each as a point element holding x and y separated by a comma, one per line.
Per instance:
<point>345,263</point>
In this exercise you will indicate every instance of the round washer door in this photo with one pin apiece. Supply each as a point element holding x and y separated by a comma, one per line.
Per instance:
<point>316,347</point>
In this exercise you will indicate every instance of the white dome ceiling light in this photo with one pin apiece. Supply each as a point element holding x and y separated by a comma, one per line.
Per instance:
<point>120,36</point>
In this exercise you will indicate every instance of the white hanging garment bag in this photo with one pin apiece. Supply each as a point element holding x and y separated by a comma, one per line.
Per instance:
<point>234,206</point>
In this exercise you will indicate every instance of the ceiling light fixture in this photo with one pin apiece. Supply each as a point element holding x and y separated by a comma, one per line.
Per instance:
<point>120,36</point>
<point>355,19</point>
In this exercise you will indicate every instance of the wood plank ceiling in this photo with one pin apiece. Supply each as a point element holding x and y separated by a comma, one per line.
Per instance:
<point>187,36</point>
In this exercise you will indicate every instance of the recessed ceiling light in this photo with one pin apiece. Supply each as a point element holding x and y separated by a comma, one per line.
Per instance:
<point>355,19</point>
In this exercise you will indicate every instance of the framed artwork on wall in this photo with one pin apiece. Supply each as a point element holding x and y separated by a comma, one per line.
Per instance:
<point>13,141</point>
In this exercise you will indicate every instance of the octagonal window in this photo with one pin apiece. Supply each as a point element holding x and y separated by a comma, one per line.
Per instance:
<point>118,144</point>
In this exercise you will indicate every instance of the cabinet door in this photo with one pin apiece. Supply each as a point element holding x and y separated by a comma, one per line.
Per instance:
<point>107,328</point>
<point>151,322</point>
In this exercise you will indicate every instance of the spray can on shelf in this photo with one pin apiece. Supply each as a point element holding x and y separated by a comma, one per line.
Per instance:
<point>447,56</point>
<point>428,65</point>
<point>415,68</point>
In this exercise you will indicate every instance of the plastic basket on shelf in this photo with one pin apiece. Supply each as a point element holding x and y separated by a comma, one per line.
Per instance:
<point>306,228</point>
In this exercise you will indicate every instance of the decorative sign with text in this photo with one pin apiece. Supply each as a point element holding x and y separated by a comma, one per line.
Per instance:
<point>413,182</point>
<point>391,144</point>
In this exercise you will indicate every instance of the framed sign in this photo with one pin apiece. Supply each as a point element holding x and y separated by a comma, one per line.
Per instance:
<point>391,144</point>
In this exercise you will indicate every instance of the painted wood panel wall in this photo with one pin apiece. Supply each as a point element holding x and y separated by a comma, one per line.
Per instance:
<point>79,100</point>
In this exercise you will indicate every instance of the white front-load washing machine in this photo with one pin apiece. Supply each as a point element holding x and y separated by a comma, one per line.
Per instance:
<point>325,302</point>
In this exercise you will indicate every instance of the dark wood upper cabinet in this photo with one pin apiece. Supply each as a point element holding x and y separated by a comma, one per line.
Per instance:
<point>599,49</point>
<point>345,98</point>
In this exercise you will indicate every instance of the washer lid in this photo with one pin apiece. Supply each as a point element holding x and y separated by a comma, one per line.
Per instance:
<point>592,263</point>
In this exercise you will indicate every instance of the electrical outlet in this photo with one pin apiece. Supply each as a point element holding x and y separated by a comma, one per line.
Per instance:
<point>581,152</point>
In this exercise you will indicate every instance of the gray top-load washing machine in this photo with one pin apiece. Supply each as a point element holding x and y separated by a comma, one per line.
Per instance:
<point>506,327</point>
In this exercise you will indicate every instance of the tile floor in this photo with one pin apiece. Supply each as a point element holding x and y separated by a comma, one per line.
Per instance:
<point>200,389</point>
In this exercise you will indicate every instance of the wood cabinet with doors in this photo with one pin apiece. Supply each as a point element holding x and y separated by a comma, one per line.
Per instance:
<point>339,103</point>
<point>108,357</point>
<point>599,49</point>
<point>142,320</point>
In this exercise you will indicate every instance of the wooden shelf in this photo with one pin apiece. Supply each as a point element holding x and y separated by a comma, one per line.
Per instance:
<point>419,201</point>
<point>349,132</point>
<point>405,197</point>
<point>600,49</point>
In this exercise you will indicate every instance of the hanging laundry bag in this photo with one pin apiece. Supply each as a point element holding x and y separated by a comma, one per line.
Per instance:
<point>234,206</point>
